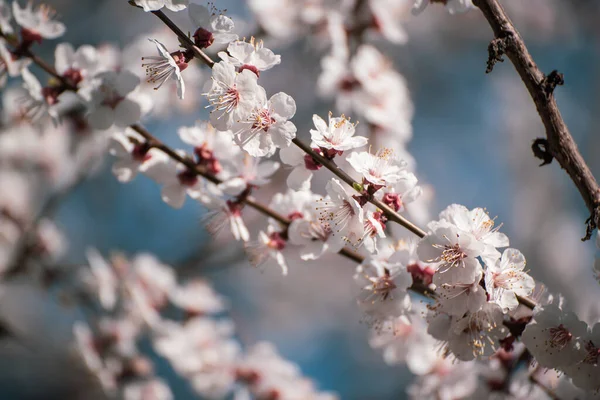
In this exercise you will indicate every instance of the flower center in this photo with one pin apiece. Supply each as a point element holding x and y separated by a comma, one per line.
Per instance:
<point>207,159</point>
<point>310,163</point>
<point>383,286</point>
<point>187,178</point>
<point>262,120</point>
<point>453,254</point>
<point>73,75</point>
<point>593,353</point>
<point>226,99</point>
<point>559,336</point>
<point>276,242</point>
<point>111,97</point>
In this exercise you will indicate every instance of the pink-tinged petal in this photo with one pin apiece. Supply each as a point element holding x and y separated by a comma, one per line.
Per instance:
<point>291,155</point>
<point>257,144</point>
<point>63,57</point>
<point>282,134</point>
<point>240,51</point>
<point>319,123</point>
<point>299,179</point>
<point>265,59</point>
<point>224,72</point>
<point>283,105</point>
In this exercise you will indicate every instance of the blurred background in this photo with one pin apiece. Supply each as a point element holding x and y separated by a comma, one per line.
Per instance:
<point>472,135</point>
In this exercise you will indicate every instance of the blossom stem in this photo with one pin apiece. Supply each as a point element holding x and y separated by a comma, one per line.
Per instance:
<point>560,142</point>
<point>184,39</point>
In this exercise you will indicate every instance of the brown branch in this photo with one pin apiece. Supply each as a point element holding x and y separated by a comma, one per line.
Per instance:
<point>560,142</point>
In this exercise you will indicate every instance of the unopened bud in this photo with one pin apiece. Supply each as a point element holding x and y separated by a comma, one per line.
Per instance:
<point>203,38</point>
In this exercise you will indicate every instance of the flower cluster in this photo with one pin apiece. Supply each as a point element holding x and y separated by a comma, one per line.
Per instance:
<point>138,294</point>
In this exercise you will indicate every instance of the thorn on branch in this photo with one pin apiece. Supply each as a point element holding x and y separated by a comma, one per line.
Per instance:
<point>541,150</point>
<point>592,223</point>
<point>551,81</point>
<point>496,50</point>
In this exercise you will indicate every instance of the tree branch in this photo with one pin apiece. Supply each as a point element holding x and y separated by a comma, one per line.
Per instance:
<point>560,142</point>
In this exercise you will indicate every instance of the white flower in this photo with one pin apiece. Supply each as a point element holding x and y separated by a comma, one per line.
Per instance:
<point>176,179</point>
<point>213,27</point>
<point>211,147</point>
<point>306,229</point>
<point>267,127</point>
<point>586,371</point>
<point>378,169</point>
<point>38,23</point>
<point>202,351</point>
<point>338,135</point>
<point>232,96</point>
<point>268,246</point>
<point>342,213</point>
<point>384,283</point>
<point>101,279</point>
<point>154,388</point>
<point>459,296</point>
<point>374,226</point>
<point>76,65</point>
<point>164,66</point>
<point>452,252</point>
<point>396,335</point>
<point>250,55</point>
<point>247,171</point>
<point>553,336</point>
<point>453,6</point>
<point>111,101</point>
<point>131,151</point>
<point>197,297</point>
<point>474,335</point>
<point>478,223</point>
<point>447,381</point>
<point>506,280</point>
<point>153,5</point>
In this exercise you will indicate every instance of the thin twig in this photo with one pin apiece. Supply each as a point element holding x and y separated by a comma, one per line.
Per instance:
<point>332,166</point>
<point>560,142</point>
